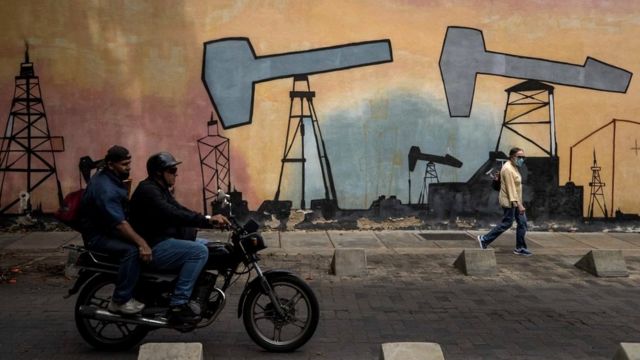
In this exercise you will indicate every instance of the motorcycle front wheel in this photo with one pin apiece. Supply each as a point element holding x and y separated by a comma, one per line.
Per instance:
<point>102,334</point>
<point>281,332</point>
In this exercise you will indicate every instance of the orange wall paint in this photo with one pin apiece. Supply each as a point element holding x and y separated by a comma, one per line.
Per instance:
<point>128,72</point>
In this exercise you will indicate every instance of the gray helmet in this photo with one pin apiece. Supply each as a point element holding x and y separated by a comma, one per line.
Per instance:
<point>160,162</point>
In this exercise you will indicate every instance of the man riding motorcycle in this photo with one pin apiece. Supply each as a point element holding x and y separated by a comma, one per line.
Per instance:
<point>169,228</point>
<point>279,310</point>
<point>104,227</point>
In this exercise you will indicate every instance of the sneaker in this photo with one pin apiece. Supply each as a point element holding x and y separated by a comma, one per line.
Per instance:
<point>129,308</point>
<point>522,251</point>
<point>183,313</point>
<point>481,242</point>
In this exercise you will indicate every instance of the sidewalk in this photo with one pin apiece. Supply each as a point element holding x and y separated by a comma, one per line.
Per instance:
<point>374,242</point>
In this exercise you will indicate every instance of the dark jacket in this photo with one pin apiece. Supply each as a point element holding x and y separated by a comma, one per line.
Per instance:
<point>156,215</point>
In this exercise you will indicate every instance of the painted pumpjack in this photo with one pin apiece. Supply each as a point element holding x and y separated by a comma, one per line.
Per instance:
<point>529,110</point>
<point>302,114</point>
<point>430,172</point>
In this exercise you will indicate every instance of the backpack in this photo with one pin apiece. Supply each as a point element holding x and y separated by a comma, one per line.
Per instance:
<point>495,184</point>
<point>68,213</point>
<point>495,180</point>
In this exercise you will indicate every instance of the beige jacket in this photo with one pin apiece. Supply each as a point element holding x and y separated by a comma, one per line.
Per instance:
<point>510,185</point>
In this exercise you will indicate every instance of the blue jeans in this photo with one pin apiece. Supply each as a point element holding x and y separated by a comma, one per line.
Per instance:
<point>189,257</point>
<point>510,214</point>
<point>129,270</point>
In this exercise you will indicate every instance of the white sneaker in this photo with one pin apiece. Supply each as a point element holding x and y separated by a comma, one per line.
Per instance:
<point>522,252</point>
<point>138,304</point>
<point>129,308</point>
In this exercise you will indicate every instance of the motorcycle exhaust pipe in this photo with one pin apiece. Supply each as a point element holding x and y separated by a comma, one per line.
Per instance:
<point>223,302</point>
<point>101,314</point>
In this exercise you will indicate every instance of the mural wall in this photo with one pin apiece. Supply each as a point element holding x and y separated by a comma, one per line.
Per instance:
<point>338,106</point>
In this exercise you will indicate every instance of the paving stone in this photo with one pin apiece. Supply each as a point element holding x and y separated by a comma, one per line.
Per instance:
<point>403,239</point>
<point>445,235</point>
<point>349,262</point>
<point>601,241</point>
<point>554,240</point>
<point>272,239</point>
<point>42,240</point>
<point>631,238</point>
<point>424,250</point>
<point>355,239</point>
<point>456,244</point>
<point>309,239</point>
<point>7,239</point>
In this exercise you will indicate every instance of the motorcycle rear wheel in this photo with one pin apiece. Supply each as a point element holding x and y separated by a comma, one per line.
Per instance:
<point>101,334</point>
<point>281,333</point>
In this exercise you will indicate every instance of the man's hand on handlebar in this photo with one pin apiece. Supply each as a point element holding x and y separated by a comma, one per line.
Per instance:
<point>220,220</point>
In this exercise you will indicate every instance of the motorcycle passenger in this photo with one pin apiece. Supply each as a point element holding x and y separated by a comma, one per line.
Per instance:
<point>169,227</point>
<point>104,227</point>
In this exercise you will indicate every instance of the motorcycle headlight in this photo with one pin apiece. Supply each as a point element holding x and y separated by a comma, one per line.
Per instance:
<point>253,243</point>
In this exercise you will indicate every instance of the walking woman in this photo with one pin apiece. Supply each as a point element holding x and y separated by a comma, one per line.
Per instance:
<point>510,199</point>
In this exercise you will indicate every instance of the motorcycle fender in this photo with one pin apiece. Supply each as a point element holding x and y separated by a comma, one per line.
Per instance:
<point>255,283</point>
<point>83,278</point>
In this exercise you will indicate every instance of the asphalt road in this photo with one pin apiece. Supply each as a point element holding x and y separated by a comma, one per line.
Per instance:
<point>540,307</point>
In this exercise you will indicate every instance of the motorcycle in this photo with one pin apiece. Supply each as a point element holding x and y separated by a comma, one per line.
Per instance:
<point>279,310</point>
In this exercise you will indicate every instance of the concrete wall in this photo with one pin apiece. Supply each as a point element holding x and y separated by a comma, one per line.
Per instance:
<point>130,72</point>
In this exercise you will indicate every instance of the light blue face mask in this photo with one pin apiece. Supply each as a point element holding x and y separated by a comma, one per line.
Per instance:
<point>519,162</point>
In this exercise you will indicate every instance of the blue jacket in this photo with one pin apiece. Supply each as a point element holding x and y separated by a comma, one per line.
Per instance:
<point>104,205</point>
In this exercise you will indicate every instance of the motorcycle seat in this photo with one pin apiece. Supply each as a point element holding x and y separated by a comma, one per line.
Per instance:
<point>90,258</point>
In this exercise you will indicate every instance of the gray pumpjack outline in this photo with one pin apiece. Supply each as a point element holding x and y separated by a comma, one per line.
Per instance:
<point>231,69</point>
<point>464,56</point>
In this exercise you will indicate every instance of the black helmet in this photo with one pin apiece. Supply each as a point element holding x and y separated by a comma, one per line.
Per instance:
<point>160,162</point>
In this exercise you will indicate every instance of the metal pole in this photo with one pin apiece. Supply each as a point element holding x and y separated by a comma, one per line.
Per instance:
<point>613,166</point>
<point>570,161</point>
<point>552,126</point>
<point>302,202</point>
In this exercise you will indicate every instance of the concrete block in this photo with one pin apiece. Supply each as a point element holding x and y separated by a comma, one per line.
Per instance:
<point>477,262</point>
<point>411,351</point>
<point>170,351</point>
<point>603,263</point>
<point>349,262</point>
<point>628,351</point>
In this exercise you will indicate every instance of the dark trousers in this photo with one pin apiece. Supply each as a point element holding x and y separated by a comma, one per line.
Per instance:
<point>510,215</point>
<point>129,270</point>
